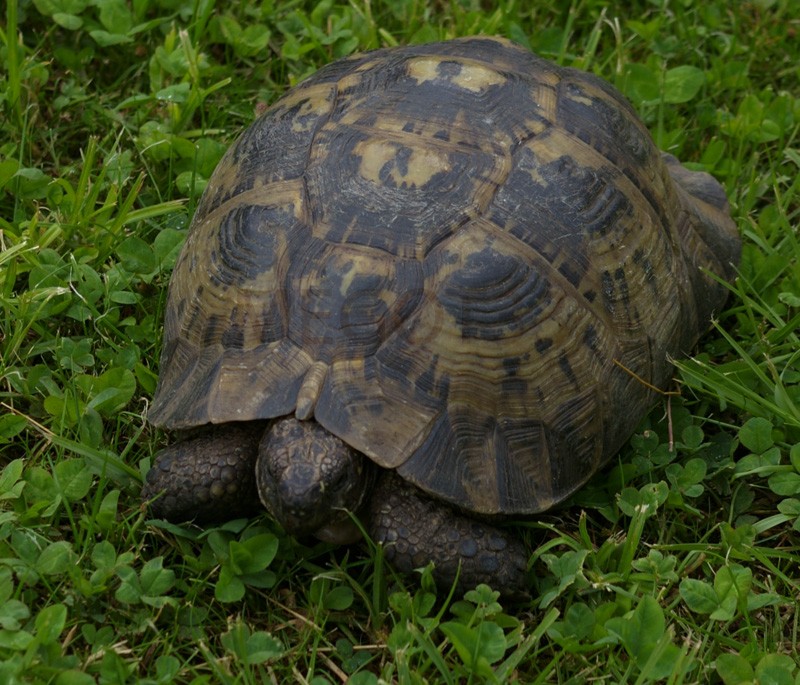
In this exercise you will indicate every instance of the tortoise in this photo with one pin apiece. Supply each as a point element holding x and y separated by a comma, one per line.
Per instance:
<point>434,286</point>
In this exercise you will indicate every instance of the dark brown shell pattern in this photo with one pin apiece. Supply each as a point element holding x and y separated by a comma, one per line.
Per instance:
<point>454,257</point>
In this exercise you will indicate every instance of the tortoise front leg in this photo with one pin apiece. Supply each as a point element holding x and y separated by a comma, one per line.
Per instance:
<point>209,476</point>
<point>416,529</point>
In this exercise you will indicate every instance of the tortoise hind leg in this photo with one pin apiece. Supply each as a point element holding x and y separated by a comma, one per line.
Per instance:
<point>209,476</point>
<point>416,529</point>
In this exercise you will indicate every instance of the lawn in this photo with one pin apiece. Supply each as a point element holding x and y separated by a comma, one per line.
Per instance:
<point>678,563</point>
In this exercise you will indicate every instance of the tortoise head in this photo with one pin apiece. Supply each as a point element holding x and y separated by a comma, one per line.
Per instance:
<point>309,480</point>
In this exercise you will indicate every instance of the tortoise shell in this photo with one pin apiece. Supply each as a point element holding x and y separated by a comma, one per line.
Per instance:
<point>468,263</point>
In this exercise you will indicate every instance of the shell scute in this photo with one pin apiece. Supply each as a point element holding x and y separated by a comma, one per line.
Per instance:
<point>401,196</point>
<point>493,295</point>
<point>344,303</point>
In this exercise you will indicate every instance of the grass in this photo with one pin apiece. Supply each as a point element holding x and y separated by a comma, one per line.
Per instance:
<point>677,564</point>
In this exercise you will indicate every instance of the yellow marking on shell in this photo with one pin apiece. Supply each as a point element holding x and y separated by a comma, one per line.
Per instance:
<point>535,127</point>
<point>358,264</point>
<point>476,78</point>
<point>544,96</point>
<point>424,69</point>
<point>581,99</point>
<point>348,275</point>
<point>355,79</point>
<point>308,394</point>
<point>314,101</point>
<point>556,145</point>
<point>421,165</point>
<point>472,77</point>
